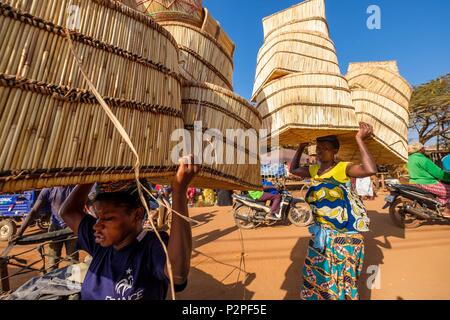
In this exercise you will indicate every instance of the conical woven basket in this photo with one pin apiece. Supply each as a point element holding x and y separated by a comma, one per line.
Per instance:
<point>52,129</point>
<point>202,58</point>
<point>187,11</point>
<point>381,97</point>
<point>303,106</point>
<point>294,51</point>
<point>306,16</point>
<point>382,78</point>
<point>221,110</point>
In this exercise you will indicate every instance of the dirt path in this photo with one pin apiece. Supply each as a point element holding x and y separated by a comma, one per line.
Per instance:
<point>414,264</point>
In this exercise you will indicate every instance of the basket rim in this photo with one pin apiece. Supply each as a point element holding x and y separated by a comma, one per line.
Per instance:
<point>384,69</point>
<point>288,8</point>
<point>198,30</point>
<point>231,94</point>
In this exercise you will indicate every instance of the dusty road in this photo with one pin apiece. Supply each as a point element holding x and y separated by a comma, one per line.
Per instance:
<point>413,264</point>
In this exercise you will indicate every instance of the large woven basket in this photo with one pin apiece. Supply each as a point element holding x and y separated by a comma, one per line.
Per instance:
<point>221,109</point>
<point>303,106</point>
<point>188,11</point>
<point>382,78</point>
<point>213,28</point>
<point>202,58</point>
<point>53,131</point>
<point>381,97</point>
<point>307,15</point>
<point>294,51</point>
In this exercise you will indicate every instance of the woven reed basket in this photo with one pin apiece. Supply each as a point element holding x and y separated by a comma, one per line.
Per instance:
<point>202,58</point>
<point>221,109</point>
<point>53,131</point>
<point>295,42</point>
<point>187,11</point>
<point>381,97</point>
<point>303,106</point>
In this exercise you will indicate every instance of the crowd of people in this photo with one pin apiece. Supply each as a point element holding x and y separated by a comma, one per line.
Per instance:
<point>123,252</point>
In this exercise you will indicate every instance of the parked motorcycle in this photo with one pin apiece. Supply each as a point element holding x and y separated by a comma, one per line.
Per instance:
<point>410,207</point>
<point>249,213</point>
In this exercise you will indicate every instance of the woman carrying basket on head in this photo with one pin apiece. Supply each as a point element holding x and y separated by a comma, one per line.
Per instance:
<point>335,254</point>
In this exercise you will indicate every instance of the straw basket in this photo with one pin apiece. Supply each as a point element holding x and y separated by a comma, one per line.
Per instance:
<point>381,97</point>
<point>220,110</point>
<point>53,131</point>
<point>389,144</point>
<point>294,51</point>
<point>202,58</point>
<point>307,16</point>
<point>303,106</point>
<point>213,28</point>
<point>188,11</point>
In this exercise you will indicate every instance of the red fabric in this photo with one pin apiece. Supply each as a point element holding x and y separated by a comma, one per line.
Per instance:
<point>442,190</point>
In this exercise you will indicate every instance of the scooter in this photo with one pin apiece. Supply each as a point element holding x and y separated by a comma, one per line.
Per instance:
<point>249,213</point>
<point>410,207</point>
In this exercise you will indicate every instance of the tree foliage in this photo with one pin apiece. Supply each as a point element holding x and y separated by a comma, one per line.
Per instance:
<point>430,111</point>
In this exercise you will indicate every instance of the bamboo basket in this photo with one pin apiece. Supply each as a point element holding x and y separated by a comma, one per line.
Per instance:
<point>389,144</point>
<point>306,16</point>
<point>294,51</point>
<point>303,106</point>
<point>202,58</point>
<point>213,28</point>
<point>221,109</point>
<point>187,11</point>
<point>53,131</point>
<point>382,78</point>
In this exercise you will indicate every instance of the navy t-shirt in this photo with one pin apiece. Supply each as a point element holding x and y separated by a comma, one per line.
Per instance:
<point>132,273</point>
<point>53,199</point>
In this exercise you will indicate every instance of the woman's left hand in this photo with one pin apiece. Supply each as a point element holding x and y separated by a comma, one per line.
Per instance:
<point>365,131</point>
<point>187,170</point>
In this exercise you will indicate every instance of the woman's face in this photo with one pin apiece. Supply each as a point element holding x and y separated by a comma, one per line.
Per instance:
<point>325,151</point>
<point>115,223</point>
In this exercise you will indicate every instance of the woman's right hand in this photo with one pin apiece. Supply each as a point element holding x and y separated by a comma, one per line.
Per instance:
<point>365,131</point>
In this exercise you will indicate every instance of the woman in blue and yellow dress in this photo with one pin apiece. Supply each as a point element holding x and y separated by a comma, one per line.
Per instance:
<point>335,254</point>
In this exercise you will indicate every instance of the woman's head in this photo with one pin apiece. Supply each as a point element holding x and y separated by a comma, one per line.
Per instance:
<point>327,148</point>
<point>415,147</point>
<point>119,217</point>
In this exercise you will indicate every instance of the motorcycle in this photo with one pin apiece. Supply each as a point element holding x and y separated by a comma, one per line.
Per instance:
<point>249,213</point>
<point>410,206</point>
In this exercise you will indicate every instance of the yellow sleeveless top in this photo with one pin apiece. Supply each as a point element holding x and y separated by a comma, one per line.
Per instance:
<point>338,172</point>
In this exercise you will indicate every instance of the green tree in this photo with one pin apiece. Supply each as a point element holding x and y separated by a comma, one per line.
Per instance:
<point>430,111</point>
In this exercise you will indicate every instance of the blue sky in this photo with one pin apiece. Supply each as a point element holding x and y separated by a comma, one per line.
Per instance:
<point>415,33</point>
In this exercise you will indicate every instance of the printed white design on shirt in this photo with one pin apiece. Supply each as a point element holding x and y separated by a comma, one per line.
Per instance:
<point>124,285</point>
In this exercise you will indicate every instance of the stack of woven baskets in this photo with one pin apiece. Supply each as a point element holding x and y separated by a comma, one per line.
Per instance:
<point>53,130</point>
<point>206,65</point>
<point>301,94</point>
<point>298,88</point>
<point>381,97</point>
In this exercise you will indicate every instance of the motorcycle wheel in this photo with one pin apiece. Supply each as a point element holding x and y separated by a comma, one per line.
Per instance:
<point>7,229</point>
<point>300,215</point>
<point>245,212</point>
<point>400,218</point>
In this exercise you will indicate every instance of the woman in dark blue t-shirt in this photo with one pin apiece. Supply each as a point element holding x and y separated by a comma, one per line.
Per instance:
<point>127,262</point>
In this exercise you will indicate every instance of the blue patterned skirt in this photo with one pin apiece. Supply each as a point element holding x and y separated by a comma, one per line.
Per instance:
<point>333,273</point>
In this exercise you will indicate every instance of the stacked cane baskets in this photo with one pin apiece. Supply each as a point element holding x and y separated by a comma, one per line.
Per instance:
<point>206,64</point>
<point>233,162</point>
<point>298,88</point>
<point>53,131</point>
<point>381,97</point>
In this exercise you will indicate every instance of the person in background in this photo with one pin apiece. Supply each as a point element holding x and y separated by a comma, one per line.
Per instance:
<point>446,163</point>
<point>335,256</point>
<point>52,198</point>
<point>425,174</point>
<point>269,192</point>
<point>191,192</point>
<point>129,263</point>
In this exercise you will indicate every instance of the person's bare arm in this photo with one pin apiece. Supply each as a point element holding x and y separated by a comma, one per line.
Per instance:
<point>72,210</point>
<point>30,217</point>
<point>368,166</point>
<point>295,168</point>
<point>180,241</point>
